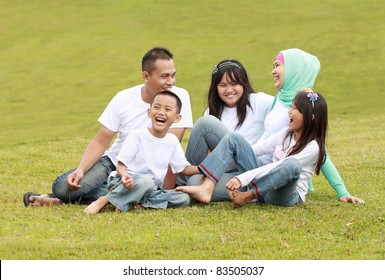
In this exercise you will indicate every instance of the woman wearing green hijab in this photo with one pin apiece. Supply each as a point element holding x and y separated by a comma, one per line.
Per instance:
<point>295,70</point>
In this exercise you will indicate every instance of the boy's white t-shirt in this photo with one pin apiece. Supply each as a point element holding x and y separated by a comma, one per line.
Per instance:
<point>144,153</point>
<point>253,126</point>
<point>127,111</point>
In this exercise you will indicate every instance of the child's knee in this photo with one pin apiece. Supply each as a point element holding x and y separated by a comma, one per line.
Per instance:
<point>294,165</point>
<point>144,181</point>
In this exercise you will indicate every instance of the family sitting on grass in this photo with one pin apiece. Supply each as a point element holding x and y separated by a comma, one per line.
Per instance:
<point>247,147</point>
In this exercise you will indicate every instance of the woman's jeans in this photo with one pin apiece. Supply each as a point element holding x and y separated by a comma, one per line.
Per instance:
<point>93,184</point>
<point>277,187</point>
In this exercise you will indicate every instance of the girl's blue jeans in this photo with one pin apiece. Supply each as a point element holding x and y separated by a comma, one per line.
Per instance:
<point>206,134</point>
<point>276,187</point>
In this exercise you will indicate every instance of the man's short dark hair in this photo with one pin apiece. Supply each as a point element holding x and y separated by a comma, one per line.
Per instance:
<point>148,60</point>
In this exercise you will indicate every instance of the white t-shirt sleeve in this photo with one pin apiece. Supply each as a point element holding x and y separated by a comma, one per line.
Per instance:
<point>178,160</point>
<point>186,113</point>
<point>263,103</point>
<point>129,148</point>
<point>111,115</point>
<point>246,177</point>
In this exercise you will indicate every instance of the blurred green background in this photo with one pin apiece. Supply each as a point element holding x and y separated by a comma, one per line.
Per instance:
<point>62,61</point>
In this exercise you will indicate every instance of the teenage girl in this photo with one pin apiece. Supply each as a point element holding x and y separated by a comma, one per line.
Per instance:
<point>298,153</point>
<point>233,106</point>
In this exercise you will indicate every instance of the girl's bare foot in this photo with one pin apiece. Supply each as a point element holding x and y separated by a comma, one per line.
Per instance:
<point>96,206</point>
<point>200,193</point>
<point>231,193</point>
<point>241,198</point>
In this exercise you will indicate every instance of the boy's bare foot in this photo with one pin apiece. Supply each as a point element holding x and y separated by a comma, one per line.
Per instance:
<point>136,207</point>
<point>200,193</point>
<point>241,198</point>
<point>96,206</point>
<point>43,200</point>
<point>117,210</point>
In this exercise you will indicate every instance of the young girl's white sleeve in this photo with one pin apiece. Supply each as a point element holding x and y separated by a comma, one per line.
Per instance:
<point>246,177</point>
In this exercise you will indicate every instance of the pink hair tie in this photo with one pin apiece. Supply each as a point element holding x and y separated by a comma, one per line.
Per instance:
<point>280,58</point>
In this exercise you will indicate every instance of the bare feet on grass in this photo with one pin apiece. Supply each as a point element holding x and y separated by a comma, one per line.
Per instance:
<point>96,206</point>
<point>240,198</point>
<point>43,201</point>
<point>136,207</point>
<point>200,193</point>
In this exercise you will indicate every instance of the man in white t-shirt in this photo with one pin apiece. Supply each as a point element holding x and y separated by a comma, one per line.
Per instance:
<point>125,112</point>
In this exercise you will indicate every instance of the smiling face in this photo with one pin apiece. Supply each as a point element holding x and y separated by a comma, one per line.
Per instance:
<point>161,78</point>
<point>278,74</point>
<point>296,122</point>
<point>229,91</point>
<point>163,113</point>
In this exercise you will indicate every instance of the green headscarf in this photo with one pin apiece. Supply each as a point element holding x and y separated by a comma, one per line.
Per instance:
<point>301,70</point>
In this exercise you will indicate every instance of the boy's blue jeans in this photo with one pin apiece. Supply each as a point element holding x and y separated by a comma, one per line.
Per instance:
<point>143,193</point>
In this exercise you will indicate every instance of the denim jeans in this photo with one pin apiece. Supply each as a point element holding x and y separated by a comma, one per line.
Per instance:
<point>220,192</point>
<point>206,134</point>
<point>277,187</point>
<point>123,198</point>
<point>93,184</point>
<point>162,199</point>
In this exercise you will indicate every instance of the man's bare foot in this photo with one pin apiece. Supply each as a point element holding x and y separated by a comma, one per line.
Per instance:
<point>117,210</point>
<point>200,193</point>
<point>241,198</point>
<point>96,206</point>
<point>43,200</point>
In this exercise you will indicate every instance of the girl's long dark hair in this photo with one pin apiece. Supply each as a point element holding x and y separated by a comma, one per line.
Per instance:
<point>237,74</point>
<point>315,118</point>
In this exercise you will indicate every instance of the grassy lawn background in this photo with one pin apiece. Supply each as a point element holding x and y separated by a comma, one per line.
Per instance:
<point>62,61</point>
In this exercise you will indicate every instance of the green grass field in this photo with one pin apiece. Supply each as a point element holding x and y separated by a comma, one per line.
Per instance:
<point>62,61</point>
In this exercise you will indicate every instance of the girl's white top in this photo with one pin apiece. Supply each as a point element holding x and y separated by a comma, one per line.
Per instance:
<point>274,144</point>
<point>253,126</point>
